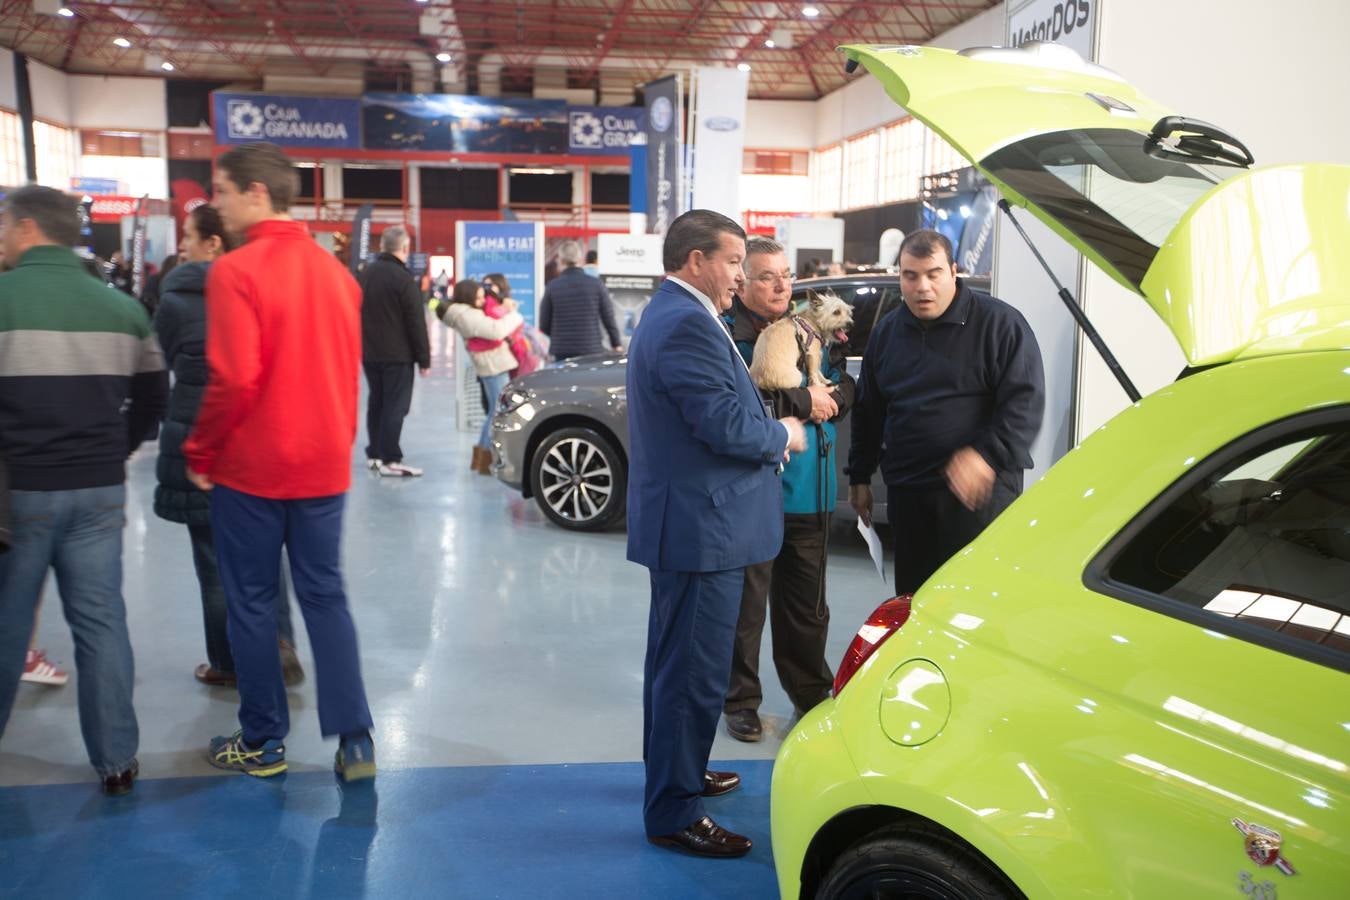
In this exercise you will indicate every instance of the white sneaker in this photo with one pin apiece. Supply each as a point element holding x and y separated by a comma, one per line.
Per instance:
<point>398,469</point>
<point>373,465</point>
<point>38,670</point>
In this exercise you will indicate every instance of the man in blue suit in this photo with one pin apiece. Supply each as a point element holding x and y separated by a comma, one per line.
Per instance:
<point>704,502</point>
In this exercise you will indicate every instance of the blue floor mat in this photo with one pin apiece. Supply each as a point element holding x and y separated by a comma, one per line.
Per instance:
<point>568,831</point>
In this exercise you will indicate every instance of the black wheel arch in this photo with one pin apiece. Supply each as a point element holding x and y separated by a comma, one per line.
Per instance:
<point>855,825</point>
<point>555,424</point>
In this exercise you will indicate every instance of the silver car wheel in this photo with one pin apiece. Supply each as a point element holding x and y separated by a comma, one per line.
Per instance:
<point>575,480</point>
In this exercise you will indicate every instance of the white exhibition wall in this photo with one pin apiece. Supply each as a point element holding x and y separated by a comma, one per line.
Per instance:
<point>1262,73</point>
<point>780,125</point>
<point>101,101</point>
<point>51,93</point>
<point>9,95</point>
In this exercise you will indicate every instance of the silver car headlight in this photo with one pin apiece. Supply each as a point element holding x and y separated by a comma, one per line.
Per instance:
<point>512,399</point>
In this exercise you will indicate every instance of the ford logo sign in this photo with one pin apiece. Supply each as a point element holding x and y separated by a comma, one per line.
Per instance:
<point>662,114</point>
<point>722,123</point>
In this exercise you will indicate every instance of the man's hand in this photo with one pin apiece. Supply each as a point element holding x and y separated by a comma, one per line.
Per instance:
<point>970,478</point>
<point>199,481</point>
<point>823,406</point>
<point>618,348</point>
<point>424,372</point>
<point>860,498</point>
<point>796,436</point>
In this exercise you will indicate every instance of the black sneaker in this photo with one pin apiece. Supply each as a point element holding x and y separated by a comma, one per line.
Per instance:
<point>743,725</point>
<point>355,759</point>
<point>122,782</point>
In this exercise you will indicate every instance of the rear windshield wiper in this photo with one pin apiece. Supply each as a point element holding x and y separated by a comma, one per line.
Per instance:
<point>1192,141</point>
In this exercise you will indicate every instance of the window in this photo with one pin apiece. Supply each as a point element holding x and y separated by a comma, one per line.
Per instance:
<point>861,158</point>
<point>775,162</point>
<point>120,143</point>
<point>1261,541</point>
<point>826,178</point>
<point>609,189</point>
<point>902,148</point>
<point>942,157</point>
<point>55,150</point>
<point>11,150</point>
<point>361,184</point>
<point>540,189</point>
<point>460,188</point>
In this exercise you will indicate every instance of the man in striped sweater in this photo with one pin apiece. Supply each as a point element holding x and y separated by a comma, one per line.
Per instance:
<point>81,383</point>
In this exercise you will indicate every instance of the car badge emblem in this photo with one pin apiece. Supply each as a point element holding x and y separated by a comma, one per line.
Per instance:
<point>1263,846</point>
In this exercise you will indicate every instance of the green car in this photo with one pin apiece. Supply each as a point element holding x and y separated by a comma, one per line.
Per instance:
<point>1135,682</point>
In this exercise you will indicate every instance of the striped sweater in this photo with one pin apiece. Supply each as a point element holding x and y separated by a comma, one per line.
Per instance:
<point>82,380</point>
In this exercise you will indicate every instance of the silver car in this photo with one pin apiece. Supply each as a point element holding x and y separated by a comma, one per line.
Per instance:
<point>561,434</point>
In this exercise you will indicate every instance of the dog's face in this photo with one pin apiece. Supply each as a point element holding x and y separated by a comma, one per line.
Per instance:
<point>831,316</point>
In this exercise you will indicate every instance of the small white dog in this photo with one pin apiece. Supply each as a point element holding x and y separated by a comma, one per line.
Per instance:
<point>826,320</point>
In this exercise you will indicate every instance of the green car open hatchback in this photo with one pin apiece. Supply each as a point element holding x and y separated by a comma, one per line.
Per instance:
<point>1136,682</point>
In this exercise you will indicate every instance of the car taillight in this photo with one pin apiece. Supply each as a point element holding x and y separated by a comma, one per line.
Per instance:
<point>884,621</point>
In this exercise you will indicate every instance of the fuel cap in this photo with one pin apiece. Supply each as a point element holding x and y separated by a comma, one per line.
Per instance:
<point>915,703</point>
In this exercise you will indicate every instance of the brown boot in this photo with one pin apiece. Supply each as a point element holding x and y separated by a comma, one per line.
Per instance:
<point>482,463</point>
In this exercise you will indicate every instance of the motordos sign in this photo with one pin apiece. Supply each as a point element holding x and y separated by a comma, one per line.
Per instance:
<point>1072,23</point>
<point>287,121</point>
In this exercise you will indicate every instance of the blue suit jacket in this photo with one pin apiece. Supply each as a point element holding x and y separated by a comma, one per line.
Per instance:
<point>703,492</point>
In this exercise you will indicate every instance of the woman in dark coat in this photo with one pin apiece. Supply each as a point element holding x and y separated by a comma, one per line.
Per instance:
<point>180,325</point>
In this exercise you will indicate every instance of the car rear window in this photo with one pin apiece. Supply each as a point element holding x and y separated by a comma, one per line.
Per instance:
<point>1101,185</point>
<point>1263,540</point>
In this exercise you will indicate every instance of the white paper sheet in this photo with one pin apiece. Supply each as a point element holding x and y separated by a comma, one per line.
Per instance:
<point>873,540</point>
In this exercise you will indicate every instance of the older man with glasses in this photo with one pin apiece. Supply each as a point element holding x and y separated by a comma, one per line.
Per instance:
<point>790,588</point>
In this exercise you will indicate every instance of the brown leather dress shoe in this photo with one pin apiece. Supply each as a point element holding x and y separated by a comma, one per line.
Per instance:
<point>705,838</point>
<point>121,783</point>
<point>214,677</point>
<point>715,784</point>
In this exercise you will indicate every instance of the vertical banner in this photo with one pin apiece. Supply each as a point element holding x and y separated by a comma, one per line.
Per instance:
<point>663,153</point>
<point>360,243</point>
<point>138,248</point>
<point>85,246</point>
<point>513,249</point>
<point>719,140</point>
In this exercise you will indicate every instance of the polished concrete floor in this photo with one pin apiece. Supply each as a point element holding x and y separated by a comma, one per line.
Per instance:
<point>489,639</point>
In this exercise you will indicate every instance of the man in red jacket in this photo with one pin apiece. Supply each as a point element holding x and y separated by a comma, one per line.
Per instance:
<point>273,439</point>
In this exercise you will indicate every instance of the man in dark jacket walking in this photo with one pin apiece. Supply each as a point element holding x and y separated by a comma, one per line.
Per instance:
<point>573,308</point>
<point>81,382</point>
<point>393,339</point>
<point>950,398</point>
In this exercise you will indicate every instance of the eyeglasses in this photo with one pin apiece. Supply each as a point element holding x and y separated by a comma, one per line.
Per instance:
<point>771,277</point>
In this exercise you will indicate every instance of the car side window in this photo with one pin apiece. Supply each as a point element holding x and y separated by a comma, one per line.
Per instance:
<point>1262,540</point>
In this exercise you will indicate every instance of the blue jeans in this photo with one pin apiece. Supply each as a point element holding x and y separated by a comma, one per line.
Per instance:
<point>493,385</point>
<point>79,534</point>
<point>250,532</point>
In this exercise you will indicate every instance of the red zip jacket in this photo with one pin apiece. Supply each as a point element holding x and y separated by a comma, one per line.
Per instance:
<point>283,343</point>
